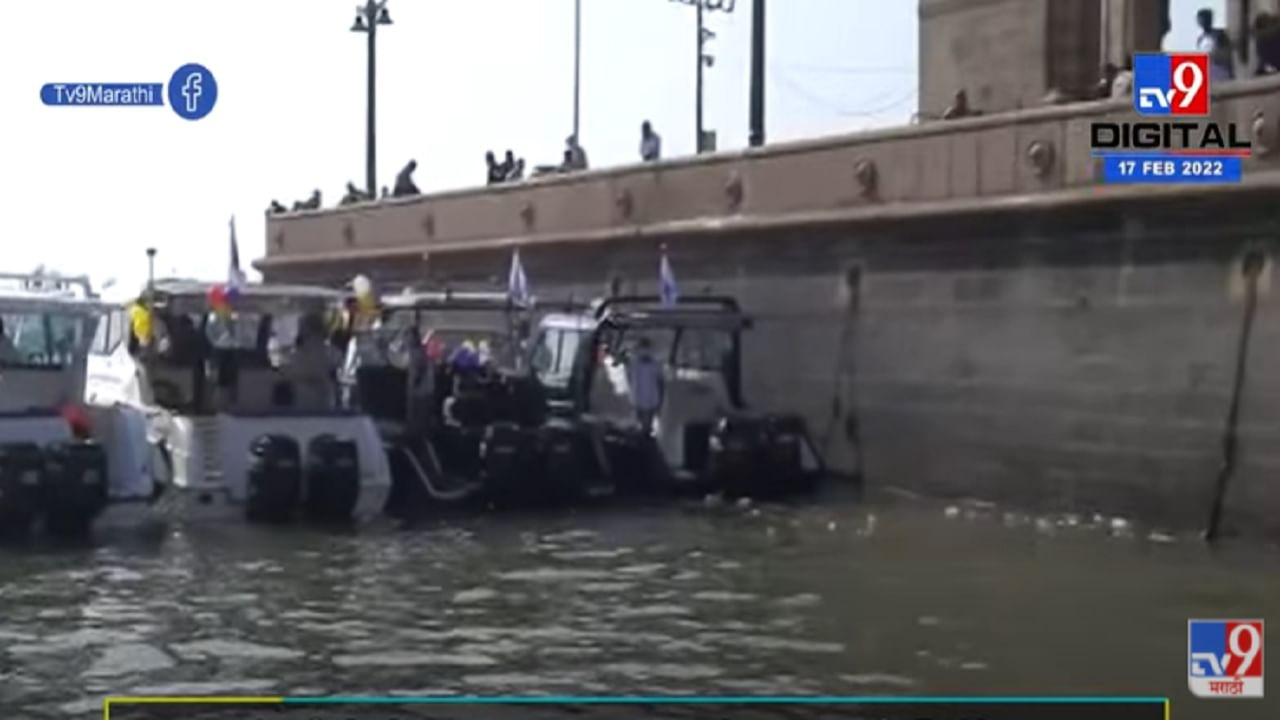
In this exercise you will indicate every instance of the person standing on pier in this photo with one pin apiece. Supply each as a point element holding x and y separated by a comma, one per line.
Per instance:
<point>404,181</point>
<point>1217,44</point>
<point>650,143</point>
<point>575,157</point>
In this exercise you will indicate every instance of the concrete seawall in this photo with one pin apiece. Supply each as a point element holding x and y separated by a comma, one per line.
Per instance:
<point>1042,339</point>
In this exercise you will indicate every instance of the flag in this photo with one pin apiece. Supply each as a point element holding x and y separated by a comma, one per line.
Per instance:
<point>517,283</point>
<point>667,282</point>
<point>235,276</point>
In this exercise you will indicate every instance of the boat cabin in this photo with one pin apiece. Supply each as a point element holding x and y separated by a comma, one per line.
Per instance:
<point>425,346</point>
<point>45,327</point>
<point>583,359</point>
<point>267,350</point>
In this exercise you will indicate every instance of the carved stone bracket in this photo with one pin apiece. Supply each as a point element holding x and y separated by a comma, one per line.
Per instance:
<point>527,214</point>
<point>429,225</point>
<point>278,240</point>
<point>734,191</point>
<point>1040,155</point>
<point>867,176</point>
<point>1263,135</point>
<point>625,203</point>
<point>349,234</point>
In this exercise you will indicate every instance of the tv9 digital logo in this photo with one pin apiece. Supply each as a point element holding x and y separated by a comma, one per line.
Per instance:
<point>1225,658</point>
<point>1171,84</point>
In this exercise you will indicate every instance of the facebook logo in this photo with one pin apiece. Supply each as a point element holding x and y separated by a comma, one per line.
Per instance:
<point>192,91</point>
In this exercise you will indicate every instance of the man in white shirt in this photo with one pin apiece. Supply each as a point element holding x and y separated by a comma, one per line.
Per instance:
<point>8,351</point>
<point>644,376</point>
<point>1217,44</point>
<point>650,143</point>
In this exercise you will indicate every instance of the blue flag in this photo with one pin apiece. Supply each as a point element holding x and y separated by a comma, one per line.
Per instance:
<point>667,282</point>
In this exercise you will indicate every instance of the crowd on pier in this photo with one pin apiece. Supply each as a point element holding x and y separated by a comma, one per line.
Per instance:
<point>510,169</point>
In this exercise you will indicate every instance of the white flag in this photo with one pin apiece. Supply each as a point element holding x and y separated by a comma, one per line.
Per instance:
<point>517,283</point>
<point>235,276</point>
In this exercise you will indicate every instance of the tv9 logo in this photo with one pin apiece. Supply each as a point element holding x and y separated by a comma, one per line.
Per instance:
<point>1225,658</point>
<point>1171,84</point>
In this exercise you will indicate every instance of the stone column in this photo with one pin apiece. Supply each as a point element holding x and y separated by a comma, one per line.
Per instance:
<point>1130,26</point>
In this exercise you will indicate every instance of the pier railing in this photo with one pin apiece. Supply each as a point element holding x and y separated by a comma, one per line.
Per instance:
<point>935,167</point>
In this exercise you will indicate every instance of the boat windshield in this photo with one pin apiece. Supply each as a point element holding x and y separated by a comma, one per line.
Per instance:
<point>184,337</point>
<point>686,350</point>
<point>391,341</point>
<point>43,339</point>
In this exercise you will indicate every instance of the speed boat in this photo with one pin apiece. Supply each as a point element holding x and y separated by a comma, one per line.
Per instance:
<point>242,403</point>
<point>64,467</point>
<point>704,437</point>
<point>465,429</point>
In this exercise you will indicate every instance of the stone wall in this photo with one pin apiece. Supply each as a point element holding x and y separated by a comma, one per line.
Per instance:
<point>1076,359</point>
<point>1017,332</point>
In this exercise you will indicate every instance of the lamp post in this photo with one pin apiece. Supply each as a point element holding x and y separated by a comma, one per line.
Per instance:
<point>151,268</point>
<point>368,17</point>
<point>577,68</point>
<point>756,136</point>
<point>703,60</point>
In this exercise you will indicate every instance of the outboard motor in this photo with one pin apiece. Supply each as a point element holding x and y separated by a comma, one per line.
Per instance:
<point>760,456</point>
<point>75,487</point>
<point>274,479</point>
<point>332,478</point>
<point>738,455</point>
<point>788,437</point>
<point>509,458</point>
<point>21,472</point>
<point>571,468</point>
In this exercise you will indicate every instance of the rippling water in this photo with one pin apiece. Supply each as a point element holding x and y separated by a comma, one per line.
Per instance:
<point>828,597</point>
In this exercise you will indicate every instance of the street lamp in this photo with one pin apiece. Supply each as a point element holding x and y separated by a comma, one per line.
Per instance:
<point>368,17</point>
<point>151,268</point>
<point>703,60</point>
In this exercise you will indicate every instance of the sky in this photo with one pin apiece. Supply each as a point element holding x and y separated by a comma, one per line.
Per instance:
<point>87,190</point>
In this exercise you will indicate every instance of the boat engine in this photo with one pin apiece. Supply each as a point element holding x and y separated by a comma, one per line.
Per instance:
<point>332,478</point>
<point>21,471</point>
<point>509,458</point>
<point>75,487</point>
<point>274,479</point>
<point>569,458</point>
<point>758,456</point>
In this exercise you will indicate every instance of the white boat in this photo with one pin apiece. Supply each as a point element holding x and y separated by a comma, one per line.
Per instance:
<point>247,419</point>
<point>64,467</point>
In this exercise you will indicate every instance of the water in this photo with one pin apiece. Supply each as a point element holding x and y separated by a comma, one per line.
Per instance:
<point>826,597</point>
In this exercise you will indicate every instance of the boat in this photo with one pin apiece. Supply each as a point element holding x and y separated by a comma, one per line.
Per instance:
<point>704,437</point>
<point>241,400</point>
<point>65,467</point>
<point>446,377</point>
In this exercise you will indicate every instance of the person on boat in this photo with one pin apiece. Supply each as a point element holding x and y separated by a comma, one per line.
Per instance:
<point>644,379</point>
<point>311,367</point>
<point>465,357</point>
<point>8,351</point>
